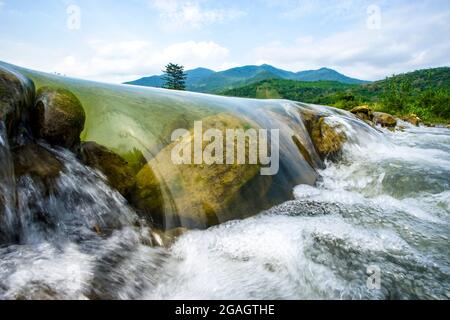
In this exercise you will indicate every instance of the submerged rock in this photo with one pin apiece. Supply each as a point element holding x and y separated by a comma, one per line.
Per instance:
<point>147,195</point>
<point>384,119</point>
<point>413,119</point>
<point>16,96</point>
<point>36,161</point>
<point>363,112</point>
<point>328,139</point>
<point>114,167</point>
<point>58,117</point>
<point>201,195</point>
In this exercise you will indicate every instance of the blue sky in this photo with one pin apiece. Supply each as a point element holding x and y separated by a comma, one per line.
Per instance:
<point>115,41</point>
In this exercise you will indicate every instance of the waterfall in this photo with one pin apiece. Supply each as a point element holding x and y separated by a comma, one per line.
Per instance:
<point>8,221</point>
<point>374,200</point>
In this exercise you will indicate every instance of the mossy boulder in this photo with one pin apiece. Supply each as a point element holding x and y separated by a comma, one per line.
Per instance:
<point>58,117</point>
<point>412,119</point>
<point>384,119</point>
<point>199,195</point>
<point>363,112</point>
<point>328,138</point>
<point>16,96</point>
<point>115,168</point>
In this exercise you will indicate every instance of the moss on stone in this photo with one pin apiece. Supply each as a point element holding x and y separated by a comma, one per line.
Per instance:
<point>201,194</point>
<point>384,119</point>
<point>327,140</point>
<point>363,112</point>
<point>58,117</point>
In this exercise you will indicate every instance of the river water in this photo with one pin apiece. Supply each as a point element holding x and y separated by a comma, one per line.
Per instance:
<point>385,207</point>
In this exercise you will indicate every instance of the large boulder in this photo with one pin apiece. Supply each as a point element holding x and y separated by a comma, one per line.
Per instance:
<point>384,119</point>
<point>16,96</point>
<point>328,138</point>
<point>413,119</point>
<point>114,167</point>
<point>58,117</point>
<point>200,195</point>
<point>363,112</point>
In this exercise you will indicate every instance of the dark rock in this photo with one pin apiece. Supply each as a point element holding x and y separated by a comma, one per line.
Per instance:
<point>16,96</point>
<point>114,167</point>
<point>36,161</point>
<point>58,117</point>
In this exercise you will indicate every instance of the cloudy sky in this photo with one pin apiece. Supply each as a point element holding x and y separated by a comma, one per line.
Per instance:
<point>116,41</point>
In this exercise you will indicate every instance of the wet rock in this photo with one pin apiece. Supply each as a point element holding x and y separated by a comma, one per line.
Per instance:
<point>200,195</point>
<point>429,125</point>
<point>16,96</point>
<point>363,112</point>
<point>168,237</point>
<point>384,119</point>
<point>58,117</point>
<point>412,119</point>
<point>147,195</point>
<point>114,167</point>
<point>328,139</point>
<point>448,126</point>
<point>36,161</point>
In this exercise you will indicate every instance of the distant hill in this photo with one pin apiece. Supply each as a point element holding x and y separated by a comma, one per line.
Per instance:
<point>423,92</point>
<point>205,80</point>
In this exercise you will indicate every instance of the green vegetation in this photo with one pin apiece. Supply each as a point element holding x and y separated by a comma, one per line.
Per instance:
<point>423,92</point>
<point>208,81</point>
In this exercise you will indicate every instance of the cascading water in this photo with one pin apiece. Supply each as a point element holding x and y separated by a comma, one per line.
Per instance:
<point>383,205</point>
<point>7,187</point>
<point>87,242</point>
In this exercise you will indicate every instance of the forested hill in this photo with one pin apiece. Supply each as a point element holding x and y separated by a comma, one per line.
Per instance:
<point>423,92</point>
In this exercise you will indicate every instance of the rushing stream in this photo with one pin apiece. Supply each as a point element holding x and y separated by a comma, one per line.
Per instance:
<point>385,204</point>
<point>372,224</point>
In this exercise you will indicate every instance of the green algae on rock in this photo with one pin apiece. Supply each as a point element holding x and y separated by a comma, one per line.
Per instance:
<point>202,195</point>
<point>384,119</point>
<point>363,112</point>
<point>327,139</point>
<point>58,117</point>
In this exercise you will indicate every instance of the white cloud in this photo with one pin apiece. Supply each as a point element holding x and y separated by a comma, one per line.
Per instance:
<point>407,40</point>
<point>123,61</point>
<point>175,14</point>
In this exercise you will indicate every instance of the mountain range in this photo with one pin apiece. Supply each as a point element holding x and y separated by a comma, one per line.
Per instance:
<point>209,81</point>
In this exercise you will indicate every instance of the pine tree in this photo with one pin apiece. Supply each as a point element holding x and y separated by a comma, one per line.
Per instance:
<point>174,77</point>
